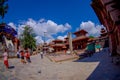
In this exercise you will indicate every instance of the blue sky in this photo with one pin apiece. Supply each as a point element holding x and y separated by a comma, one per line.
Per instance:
<point>56,17</point>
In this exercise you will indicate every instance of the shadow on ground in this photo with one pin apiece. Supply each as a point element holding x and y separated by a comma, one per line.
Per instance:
<point>11,67</point>
<point>106,70</point>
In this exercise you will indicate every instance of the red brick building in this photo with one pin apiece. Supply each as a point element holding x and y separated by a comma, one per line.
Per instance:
<point>78,43</point>
<point>108,12</point>
<point>58,45</point>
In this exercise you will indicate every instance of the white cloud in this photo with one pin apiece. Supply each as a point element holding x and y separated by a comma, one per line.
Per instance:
<point>62,37</point>
<point>48,26</point>
<point>91,28</point>
<point>51,28</point>
<point>20,29</point>
<point>12,25</point>
<point>39,27</point>
<point>39,39</point>
<point>49,40</point>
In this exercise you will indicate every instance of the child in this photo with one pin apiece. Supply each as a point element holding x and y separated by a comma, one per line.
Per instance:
<point>27,55</point>
<point>22,56</point>
<point>5,55</point>
<point>18,54</point>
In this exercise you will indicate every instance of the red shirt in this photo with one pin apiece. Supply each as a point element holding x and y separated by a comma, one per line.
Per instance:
<point>27,54</point>
<point>22,53</point>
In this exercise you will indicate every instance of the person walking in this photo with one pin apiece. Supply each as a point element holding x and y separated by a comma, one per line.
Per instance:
<point>22,56</point>
<point>27,55</point>
<point>90,48</point>
<point>98,46</point>
<point>5,55</point>
<point>41,54</point>
<point>18,54</point>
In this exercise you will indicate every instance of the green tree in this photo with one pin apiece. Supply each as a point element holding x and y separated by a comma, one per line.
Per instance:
<point>91,36</point>
<point>3,8</point>
<point>27,39</point>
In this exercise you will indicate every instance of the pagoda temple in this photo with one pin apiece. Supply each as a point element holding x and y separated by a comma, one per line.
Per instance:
<point>80,41</point>
<point>58,45</point>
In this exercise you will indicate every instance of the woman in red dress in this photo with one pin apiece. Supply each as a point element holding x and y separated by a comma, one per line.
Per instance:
<point>5,55</point>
